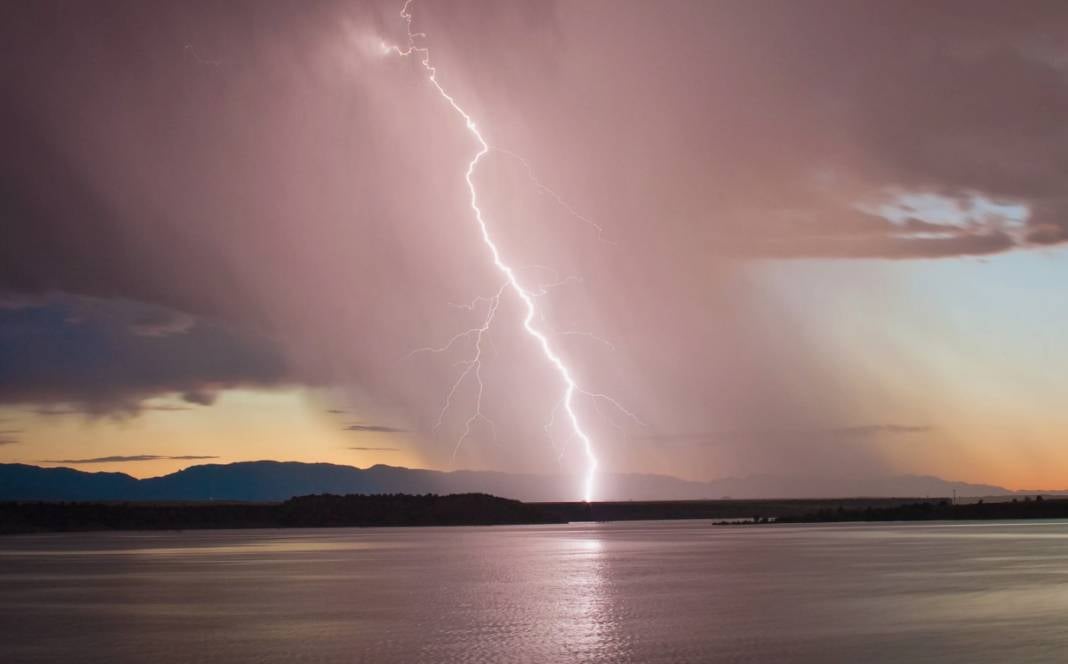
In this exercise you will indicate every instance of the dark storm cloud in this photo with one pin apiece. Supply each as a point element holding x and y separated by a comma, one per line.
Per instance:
<point>977,244</point>
<point>889,96</point>
<point>914,225</point>
<point>892,246</point>
<point>131,458</point>
<point>62,410</point>
<point>200,397</point>
<point>80,355</point>
<point>1048,234</point>
<point>373,428</point>
<point>802,118</point>
<point>293,202</point>
<point>65,229</point>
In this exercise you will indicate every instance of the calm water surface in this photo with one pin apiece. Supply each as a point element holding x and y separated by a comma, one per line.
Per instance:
<point>623,592</point>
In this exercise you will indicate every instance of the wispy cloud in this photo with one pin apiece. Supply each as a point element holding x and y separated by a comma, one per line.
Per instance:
<point>57,411</point>
<point>376,428</point>
<point>135,457</point>
<point>336,411</point>
<point>375,449</point>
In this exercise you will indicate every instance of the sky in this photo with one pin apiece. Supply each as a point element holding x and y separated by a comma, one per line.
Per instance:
<point>779,238</point>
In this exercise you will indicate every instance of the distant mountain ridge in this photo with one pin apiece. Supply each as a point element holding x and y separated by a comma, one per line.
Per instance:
<point>280,480</point>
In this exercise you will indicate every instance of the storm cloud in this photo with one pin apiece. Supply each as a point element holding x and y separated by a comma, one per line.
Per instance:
<point>374,428</point>
<point>71,355</point>
<point>130,458</point>
<point>197,197</point>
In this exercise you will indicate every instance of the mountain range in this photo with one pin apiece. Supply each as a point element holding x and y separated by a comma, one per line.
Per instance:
<point>278,480</point>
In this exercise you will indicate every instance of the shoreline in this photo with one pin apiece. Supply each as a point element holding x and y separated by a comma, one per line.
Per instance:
<point>398,510</point>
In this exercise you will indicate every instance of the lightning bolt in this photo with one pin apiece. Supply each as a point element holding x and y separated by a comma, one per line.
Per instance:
<point>512,282</point>
<point>545,189</point>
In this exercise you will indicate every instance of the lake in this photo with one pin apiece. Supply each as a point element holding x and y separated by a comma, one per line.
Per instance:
<point>682,591</point>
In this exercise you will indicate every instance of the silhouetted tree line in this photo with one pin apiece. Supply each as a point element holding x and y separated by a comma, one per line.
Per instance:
<point>757,510</point>
<point>942,510</point>
<point>328,510</point>
<point>301,512</point>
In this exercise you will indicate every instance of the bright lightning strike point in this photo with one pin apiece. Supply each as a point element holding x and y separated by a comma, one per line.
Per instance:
<point>512,283</point>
